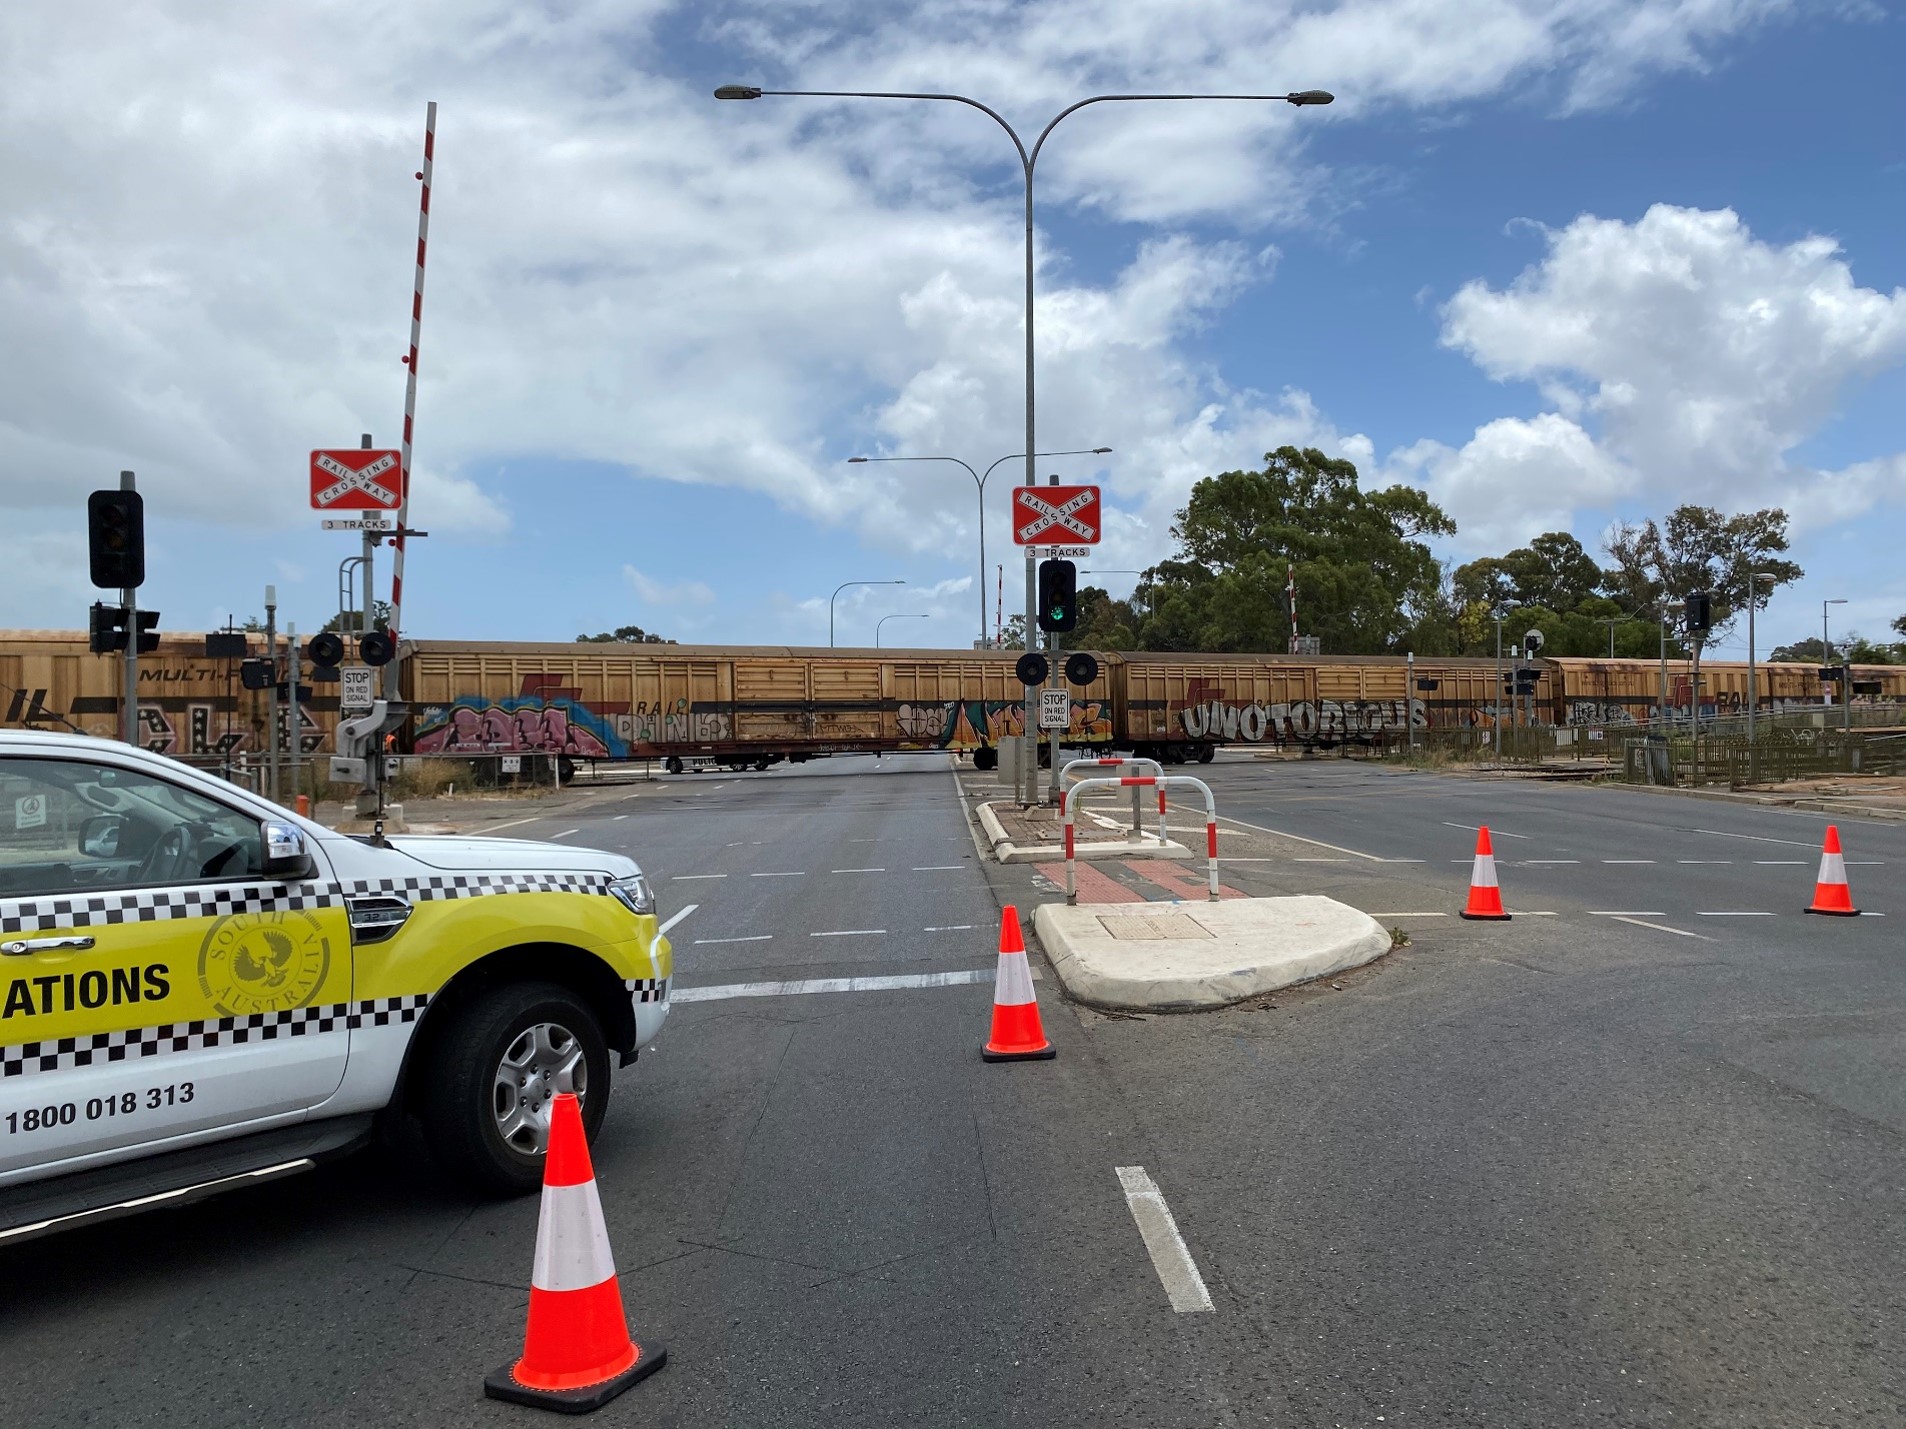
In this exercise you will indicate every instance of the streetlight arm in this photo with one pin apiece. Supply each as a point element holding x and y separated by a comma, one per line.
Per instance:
<point>1309,96</point>
<point>987,110</point>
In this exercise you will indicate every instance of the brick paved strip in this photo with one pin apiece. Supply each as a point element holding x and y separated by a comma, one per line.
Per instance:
<point>1178,878</point>
<point>1093,886</point>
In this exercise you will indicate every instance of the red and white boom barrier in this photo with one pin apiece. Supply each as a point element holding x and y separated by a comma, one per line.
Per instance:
<point>1146,781</point>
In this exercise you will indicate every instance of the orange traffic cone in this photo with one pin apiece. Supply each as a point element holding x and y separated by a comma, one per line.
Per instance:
<point>1017,1033</point>
<point>1485,898</point>
<point>577,1354</point>
<point>1830,892</point>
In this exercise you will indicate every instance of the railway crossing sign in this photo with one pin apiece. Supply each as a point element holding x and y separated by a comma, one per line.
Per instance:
<point>1055,513</point>
<point>356,480</point>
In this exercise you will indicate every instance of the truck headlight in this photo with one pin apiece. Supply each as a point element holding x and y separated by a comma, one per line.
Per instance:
<point>635,895</point>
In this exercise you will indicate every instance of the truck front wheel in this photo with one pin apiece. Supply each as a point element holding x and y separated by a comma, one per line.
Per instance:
<point>497,1069</point>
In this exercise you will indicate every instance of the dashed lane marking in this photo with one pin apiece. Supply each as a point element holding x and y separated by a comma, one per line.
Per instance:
<point>1780,863</point>
<point>1734,913</point>
<point>691,877</point>
<point>1408,915</point>
<point>565,833</point>
<point>1532,862</point>
<point>849,933</point>
<point>936,867</point>
<point>1477,828</point>
<point>1627,860</point>
<point>753,938</point>
<point>1756,838</point>
<point>952,928</point>
<point>1706,862</point>
<point>1171,1257</point>
<point>1626,913</point>
<point>1662,927</point>
<point>1391,860</point>
<point>1333,860</point>
<point>892,983</point>
<point>797,873</point>
<point>857,870</point>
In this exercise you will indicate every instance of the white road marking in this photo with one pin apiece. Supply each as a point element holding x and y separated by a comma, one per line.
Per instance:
<point>952,928</point>
<point>1171,1258</point>
<point>1705,862</point>
<point>857,870</point>
<point>1627,860</point>
<point>1333,860</point>
<point>1477,828</point>
<point>1663,928</point>
<point>831,984</point>
<point>1756,838</point>
<point>797,873</point>
<point>1780,863</point>
<point>1250,860</point>
<point>511,823</point>
<point>1334,848</point>
<point>1864,862</point>
<point>691,877</point>
<point>1626,913</point>
<point>755,938</point>
<point>1408,915</point>
<point>849,933</point>
<point>565,833</point>
<point>1531,862</point>
<point>1387,860</point>
<point>1734,913</point>
<point>936,867</point>
<point>690,908</point>
<point>1534,913</point>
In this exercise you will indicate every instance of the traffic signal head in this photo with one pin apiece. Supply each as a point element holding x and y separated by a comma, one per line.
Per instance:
<point>116,539</point>
<point>107,629</point>
<point>1032,668</point>
<point>148,631</point>
<point>1699,611</point>
<point>1058,596</point>
<point>376,648</point>
<point>1081,669</point>
<point>325,649</point>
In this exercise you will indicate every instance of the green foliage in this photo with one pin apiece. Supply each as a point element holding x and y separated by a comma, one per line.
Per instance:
<point>1852,647</point>
<point>1364,580</point>
<point>1699,548</point>
<point>351,622</point>
<point>623,635</point>
<point>1552,571</point>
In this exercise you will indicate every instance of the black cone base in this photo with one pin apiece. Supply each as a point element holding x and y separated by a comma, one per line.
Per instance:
<point>1484,917</point>
<point>501,1384</point>
<point>1044,1054</point>
<point>1833,912</point>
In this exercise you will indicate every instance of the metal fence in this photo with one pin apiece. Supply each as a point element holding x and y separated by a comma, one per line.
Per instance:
<point>1773,757</point>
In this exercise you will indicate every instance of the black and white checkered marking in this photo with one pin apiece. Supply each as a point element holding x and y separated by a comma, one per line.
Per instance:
<point>153,905</point>
<point>64,1054</point>
<point>647,989</point>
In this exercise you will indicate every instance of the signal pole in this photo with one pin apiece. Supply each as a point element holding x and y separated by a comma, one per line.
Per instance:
<point>129,598</point>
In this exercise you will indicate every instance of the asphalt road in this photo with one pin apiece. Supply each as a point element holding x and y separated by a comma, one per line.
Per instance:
<point>1564,1170</point>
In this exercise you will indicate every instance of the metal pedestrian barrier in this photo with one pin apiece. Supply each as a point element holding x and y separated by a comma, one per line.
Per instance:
<point>1145,781</point>
<point>1135,764</point>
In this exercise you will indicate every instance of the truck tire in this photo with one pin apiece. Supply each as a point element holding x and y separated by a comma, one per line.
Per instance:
<point>673,764</point>
<point>487,1133</point>
<point>1207,752</point>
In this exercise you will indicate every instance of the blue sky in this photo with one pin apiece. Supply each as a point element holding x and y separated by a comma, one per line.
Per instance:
<point>1560,261</point>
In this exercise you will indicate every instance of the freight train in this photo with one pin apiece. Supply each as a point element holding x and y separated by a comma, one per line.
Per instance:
<point>751,706</point>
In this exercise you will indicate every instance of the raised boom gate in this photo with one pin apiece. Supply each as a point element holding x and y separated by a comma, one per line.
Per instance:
<point>1159,781</point>
<point>1133,762</point>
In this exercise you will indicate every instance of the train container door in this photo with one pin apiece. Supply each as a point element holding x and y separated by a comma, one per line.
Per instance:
<point>847,694</point>
<point>774,700</point>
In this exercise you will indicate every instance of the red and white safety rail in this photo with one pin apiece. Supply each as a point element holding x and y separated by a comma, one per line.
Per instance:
<point>1146,781</point>
<point>1136,764</point>
<point>410,361</point>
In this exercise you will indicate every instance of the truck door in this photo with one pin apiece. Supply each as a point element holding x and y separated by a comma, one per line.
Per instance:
<point>152,984</point>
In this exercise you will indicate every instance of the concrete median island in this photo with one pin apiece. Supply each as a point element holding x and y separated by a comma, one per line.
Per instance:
<point>1037,836</point>
<point>1183,957</point>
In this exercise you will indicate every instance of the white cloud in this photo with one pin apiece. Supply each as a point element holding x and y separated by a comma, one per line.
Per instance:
<point>205,270</point>
<point>656,592</point>
<point>1698,357</point>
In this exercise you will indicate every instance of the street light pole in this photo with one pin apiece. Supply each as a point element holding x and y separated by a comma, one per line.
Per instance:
<point>903,616</point>
<point>1028,159</point>
<point>837,590</point>
<point>979,480</point>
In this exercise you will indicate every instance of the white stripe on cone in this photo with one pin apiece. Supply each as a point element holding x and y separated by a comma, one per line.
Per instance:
<point>1485,874</point>
<point>572,1243</point>
<point>1013,985</point>
<point>1832,868</point>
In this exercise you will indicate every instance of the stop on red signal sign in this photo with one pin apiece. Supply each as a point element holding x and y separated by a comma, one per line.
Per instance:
<point>1055,515</point>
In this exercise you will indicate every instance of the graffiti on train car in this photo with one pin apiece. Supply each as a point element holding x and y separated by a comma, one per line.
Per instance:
<point>519,724</point>
<point>971,724</point>
<point>676,723</point>
<point>1301,719</point>
<point>1638,709</point>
